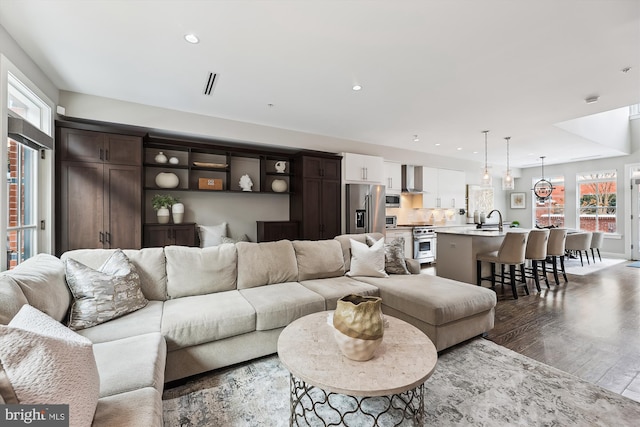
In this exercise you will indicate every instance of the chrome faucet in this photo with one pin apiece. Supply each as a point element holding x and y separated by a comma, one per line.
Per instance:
<point>500,217</point>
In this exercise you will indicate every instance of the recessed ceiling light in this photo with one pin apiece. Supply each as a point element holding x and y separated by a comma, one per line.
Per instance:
<point>270,105</point>
<point>459,148</point>
<point>356,87</point>
<point>626,69</point>
<point>415,138</point>
<point>475,152</point>
<point>191,38</point>
<point>437,144</point>
<point>592,99</point>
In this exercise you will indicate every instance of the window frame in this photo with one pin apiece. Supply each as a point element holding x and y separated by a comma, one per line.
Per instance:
<point>580,181</point>
<point>535,204</point>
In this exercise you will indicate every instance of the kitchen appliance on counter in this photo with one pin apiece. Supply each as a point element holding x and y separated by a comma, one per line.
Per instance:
<point>391,221</point>
<point>365,208</point>
<point>424,244</point>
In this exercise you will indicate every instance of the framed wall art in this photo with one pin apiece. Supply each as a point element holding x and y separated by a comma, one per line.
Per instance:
<point>518,201</point>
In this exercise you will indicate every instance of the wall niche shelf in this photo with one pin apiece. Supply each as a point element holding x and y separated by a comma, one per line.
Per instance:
<point>216,168</point>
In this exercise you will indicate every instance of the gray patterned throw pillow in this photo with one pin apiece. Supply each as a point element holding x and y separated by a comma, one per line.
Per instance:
<point>394,257</point>
<point>104,294</point>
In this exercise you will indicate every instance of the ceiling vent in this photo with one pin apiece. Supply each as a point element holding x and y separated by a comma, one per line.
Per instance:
<point>211,83</point>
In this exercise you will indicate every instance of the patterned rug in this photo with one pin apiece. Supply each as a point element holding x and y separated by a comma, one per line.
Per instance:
<point>573,266</point>
<point>478,383</point>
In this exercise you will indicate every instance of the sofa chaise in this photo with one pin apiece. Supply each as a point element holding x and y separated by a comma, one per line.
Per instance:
<point>213,307</point>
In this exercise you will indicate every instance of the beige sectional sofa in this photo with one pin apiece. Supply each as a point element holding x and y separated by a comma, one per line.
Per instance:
<point>213,307</point>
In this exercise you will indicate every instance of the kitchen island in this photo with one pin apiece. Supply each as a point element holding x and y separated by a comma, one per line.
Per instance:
<point>457,249</point>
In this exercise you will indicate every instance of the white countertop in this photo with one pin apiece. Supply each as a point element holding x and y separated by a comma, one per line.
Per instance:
<point>481,233</point>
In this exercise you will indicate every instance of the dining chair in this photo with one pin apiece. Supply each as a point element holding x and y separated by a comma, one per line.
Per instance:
<point>556,250</point>
<point>579,242</point>
<point>597,237</point>
<point>511,253</point>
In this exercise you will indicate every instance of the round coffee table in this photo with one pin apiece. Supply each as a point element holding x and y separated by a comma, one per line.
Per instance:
<point>322,379</point>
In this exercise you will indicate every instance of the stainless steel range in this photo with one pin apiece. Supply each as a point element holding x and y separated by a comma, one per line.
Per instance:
<point>424,244</point>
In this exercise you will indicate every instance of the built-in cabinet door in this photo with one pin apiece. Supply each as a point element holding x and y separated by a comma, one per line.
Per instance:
<point>160,235</point>
<point>81,206</point>
<point>331,224</point>
<point>123,206</point>
<point>80,146</point>
<point>363,168</point>
<point>451,189</point>
<point>430,188</point>
<point>312,224</point>
<point>393,177</point>
<point>123,149</point>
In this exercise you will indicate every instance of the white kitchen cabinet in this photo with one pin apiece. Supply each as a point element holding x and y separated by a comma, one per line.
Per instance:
<point>393,177</point>
<point>443,188</point>
<point>360,168</point>
<point>407,233</point>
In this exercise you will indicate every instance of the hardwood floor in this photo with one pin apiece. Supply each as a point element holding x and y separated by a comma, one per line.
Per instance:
<point>589,327</point>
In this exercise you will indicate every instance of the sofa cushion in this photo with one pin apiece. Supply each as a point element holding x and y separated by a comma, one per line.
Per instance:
<point>367,260</point>
<point>47,363</point>
<point>138,408</point>
<point>345,243</point>
<point>434,300</point>
<point>318,259</point>
<point>41,279</point>
<point>203,318</point>
<point>143,321</point>
<point>131,363</point>
<point>11,298</point>
<point>279,304</point>
<point>266,263</point>
<point>196,271</point>
<point>149,262</point>
<point>104,294</point>
<point>336,287</point>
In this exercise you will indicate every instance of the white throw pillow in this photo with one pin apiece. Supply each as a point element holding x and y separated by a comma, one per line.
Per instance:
<point>367,261</point>
<point>211,235</point>
<point>47,363</point>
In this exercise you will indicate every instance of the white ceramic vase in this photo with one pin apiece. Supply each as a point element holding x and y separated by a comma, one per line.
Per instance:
<point>167,180</point>
<point>160,158</point>
<point>279,185</point>
<point>178,212</point>
<point>163,215</point>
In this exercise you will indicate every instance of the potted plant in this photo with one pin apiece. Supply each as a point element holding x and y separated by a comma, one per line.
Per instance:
<point>161,204</point>
<point>515,224</point>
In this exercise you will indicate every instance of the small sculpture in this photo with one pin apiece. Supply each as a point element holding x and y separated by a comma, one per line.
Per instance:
<point>281,166</point>
<point>246,183</point>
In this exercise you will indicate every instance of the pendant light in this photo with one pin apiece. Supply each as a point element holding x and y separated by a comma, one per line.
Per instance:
<point>487,179</point>
<point>543,188</point>
<point>507,179</point>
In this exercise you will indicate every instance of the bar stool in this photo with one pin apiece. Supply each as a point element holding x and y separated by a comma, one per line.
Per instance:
<point>579,242</point>
<point>536,251</point>
<point>511,253</point>
<point>555,250</point>
<point>596,243</point>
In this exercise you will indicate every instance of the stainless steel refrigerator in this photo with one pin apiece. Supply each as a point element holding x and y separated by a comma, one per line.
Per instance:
<point>365,208</point>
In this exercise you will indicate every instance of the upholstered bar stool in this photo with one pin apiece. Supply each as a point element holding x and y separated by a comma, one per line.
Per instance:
<point>579,242</point>
<point>536,251</point>
<point>596,243</point>
<point>511,253</point>
<point>555,250</point>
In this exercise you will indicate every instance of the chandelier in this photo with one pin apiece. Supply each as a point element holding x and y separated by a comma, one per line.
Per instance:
<point>507,179</point>
<point>543,188</point>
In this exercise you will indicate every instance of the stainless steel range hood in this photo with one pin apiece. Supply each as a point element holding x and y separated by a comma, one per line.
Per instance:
<point>412,179</point>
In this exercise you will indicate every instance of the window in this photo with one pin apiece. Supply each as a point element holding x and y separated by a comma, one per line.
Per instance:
<point>22,175</point>
<point>597,201</point>
<point>550,211</point>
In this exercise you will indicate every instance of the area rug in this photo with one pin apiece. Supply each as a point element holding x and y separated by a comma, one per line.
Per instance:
<point>478,383</point>
<point>634,264</point>
<point>573,266</point>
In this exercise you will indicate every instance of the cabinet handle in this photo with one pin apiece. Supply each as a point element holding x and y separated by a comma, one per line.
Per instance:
<point>101,237</point>
<point>101,154</point>
<point>366,173</point>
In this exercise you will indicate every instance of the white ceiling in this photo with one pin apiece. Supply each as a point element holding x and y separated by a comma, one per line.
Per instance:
<point>444,70</point>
